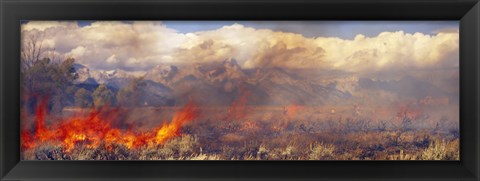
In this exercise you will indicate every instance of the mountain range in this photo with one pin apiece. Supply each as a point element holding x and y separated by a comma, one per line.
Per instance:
<point>222,83</point>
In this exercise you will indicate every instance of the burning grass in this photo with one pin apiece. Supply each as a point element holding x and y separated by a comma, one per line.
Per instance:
<point>96,129</point>
<point>261,133</point>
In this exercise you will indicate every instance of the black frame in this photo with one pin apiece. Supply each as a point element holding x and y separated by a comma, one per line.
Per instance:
<point>467,11</point>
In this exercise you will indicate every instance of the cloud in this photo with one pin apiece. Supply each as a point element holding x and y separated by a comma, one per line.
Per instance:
<point>142,45</point>
<point>44,25</point>
<point>391,51</point>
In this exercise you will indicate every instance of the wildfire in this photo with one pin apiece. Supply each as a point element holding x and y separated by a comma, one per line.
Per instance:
<point>250,126</point>
<point>292,110</point>
<point>96,129</point>
<point>289,112</point>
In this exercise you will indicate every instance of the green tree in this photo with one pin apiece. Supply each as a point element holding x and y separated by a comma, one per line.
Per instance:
<point>43,74</point>
<point>124,96</point>
<point>83,98</point>
<point>130,95</point>
<point>45,78</point>
<point>102,96</point>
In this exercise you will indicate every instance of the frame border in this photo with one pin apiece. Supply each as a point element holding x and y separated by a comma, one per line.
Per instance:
<point>466,11</point>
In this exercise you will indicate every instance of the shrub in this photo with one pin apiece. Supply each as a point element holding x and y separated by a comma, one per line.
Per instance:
<point>320,151</point>
<point>436,151</point>
<point>402,156</point>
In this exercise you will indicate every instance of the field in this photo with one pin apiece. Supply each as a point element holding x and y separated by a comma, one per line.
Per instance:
<point>267,133</point>
<point>263,90</point>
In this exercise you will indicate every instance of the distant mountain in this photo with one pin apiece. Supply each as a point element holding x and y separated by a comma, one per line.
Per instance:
<point>85,75</point>
<point>162,73</point>
<point>221,83</point>
<point>106,76</point>
<point>155,94</point>
<point>81,72</point>
<point>228,70</point>
<point>406,86</point>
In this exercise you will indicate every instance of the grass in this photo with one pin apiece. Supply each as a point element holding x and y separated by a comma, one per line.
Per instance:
<point>188,147</point>
<point>274,138</point>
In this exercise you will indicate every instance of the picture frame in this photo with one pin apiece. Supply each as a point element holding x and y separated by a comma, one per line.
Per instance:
<point>466,11</point>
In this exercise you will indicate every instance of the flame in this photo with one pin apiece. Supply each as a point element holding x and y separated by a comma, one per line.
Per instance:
<point>27,140</point>
<point>172,129</point>
<point>249,126</point>
<point>96,129</point>
<point>292,110</point>
<point>289,113</point>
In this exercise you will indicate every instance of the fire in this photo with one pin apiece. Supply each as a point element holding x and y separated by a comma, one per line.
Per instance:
<point>172,129</point>
<point>27,140</point>
<point>289,112</point>
<point>96,129</point>
<point>292,110</point>
<point>250,126</point>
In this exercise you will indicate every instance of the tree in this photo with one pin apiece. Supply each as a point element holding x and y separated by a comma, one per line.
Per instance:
<point>83,98</point>
<point>124,96</point>
<point>31,49</point>
<point>49,79</point>
<point>57,104</point>
<point>130,95</point>
<point>43,75</point>
<point>102,96</point>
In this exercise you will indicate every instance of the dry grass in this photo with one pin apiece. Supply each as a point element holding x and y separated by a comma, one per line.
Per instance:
<point>342,139</point>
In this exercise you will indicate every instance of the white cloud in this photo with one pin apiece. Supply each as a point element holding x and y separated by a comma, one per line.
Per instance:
<point>391,50</point>
<point>44,25</point>
<point>141,45</point>
<point>112,59</point>
<point>78,52</point>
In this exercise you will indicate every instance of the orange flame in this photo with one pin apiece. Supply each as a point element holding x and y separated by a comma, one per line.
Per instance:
<point>250,126</point>
<point>96,129</point>
<point>292,110</point>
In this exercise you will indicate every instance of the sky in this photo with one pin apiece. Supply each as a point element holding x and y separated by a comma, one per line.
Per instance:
<point>341,29</point>
<point>350,46</point>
